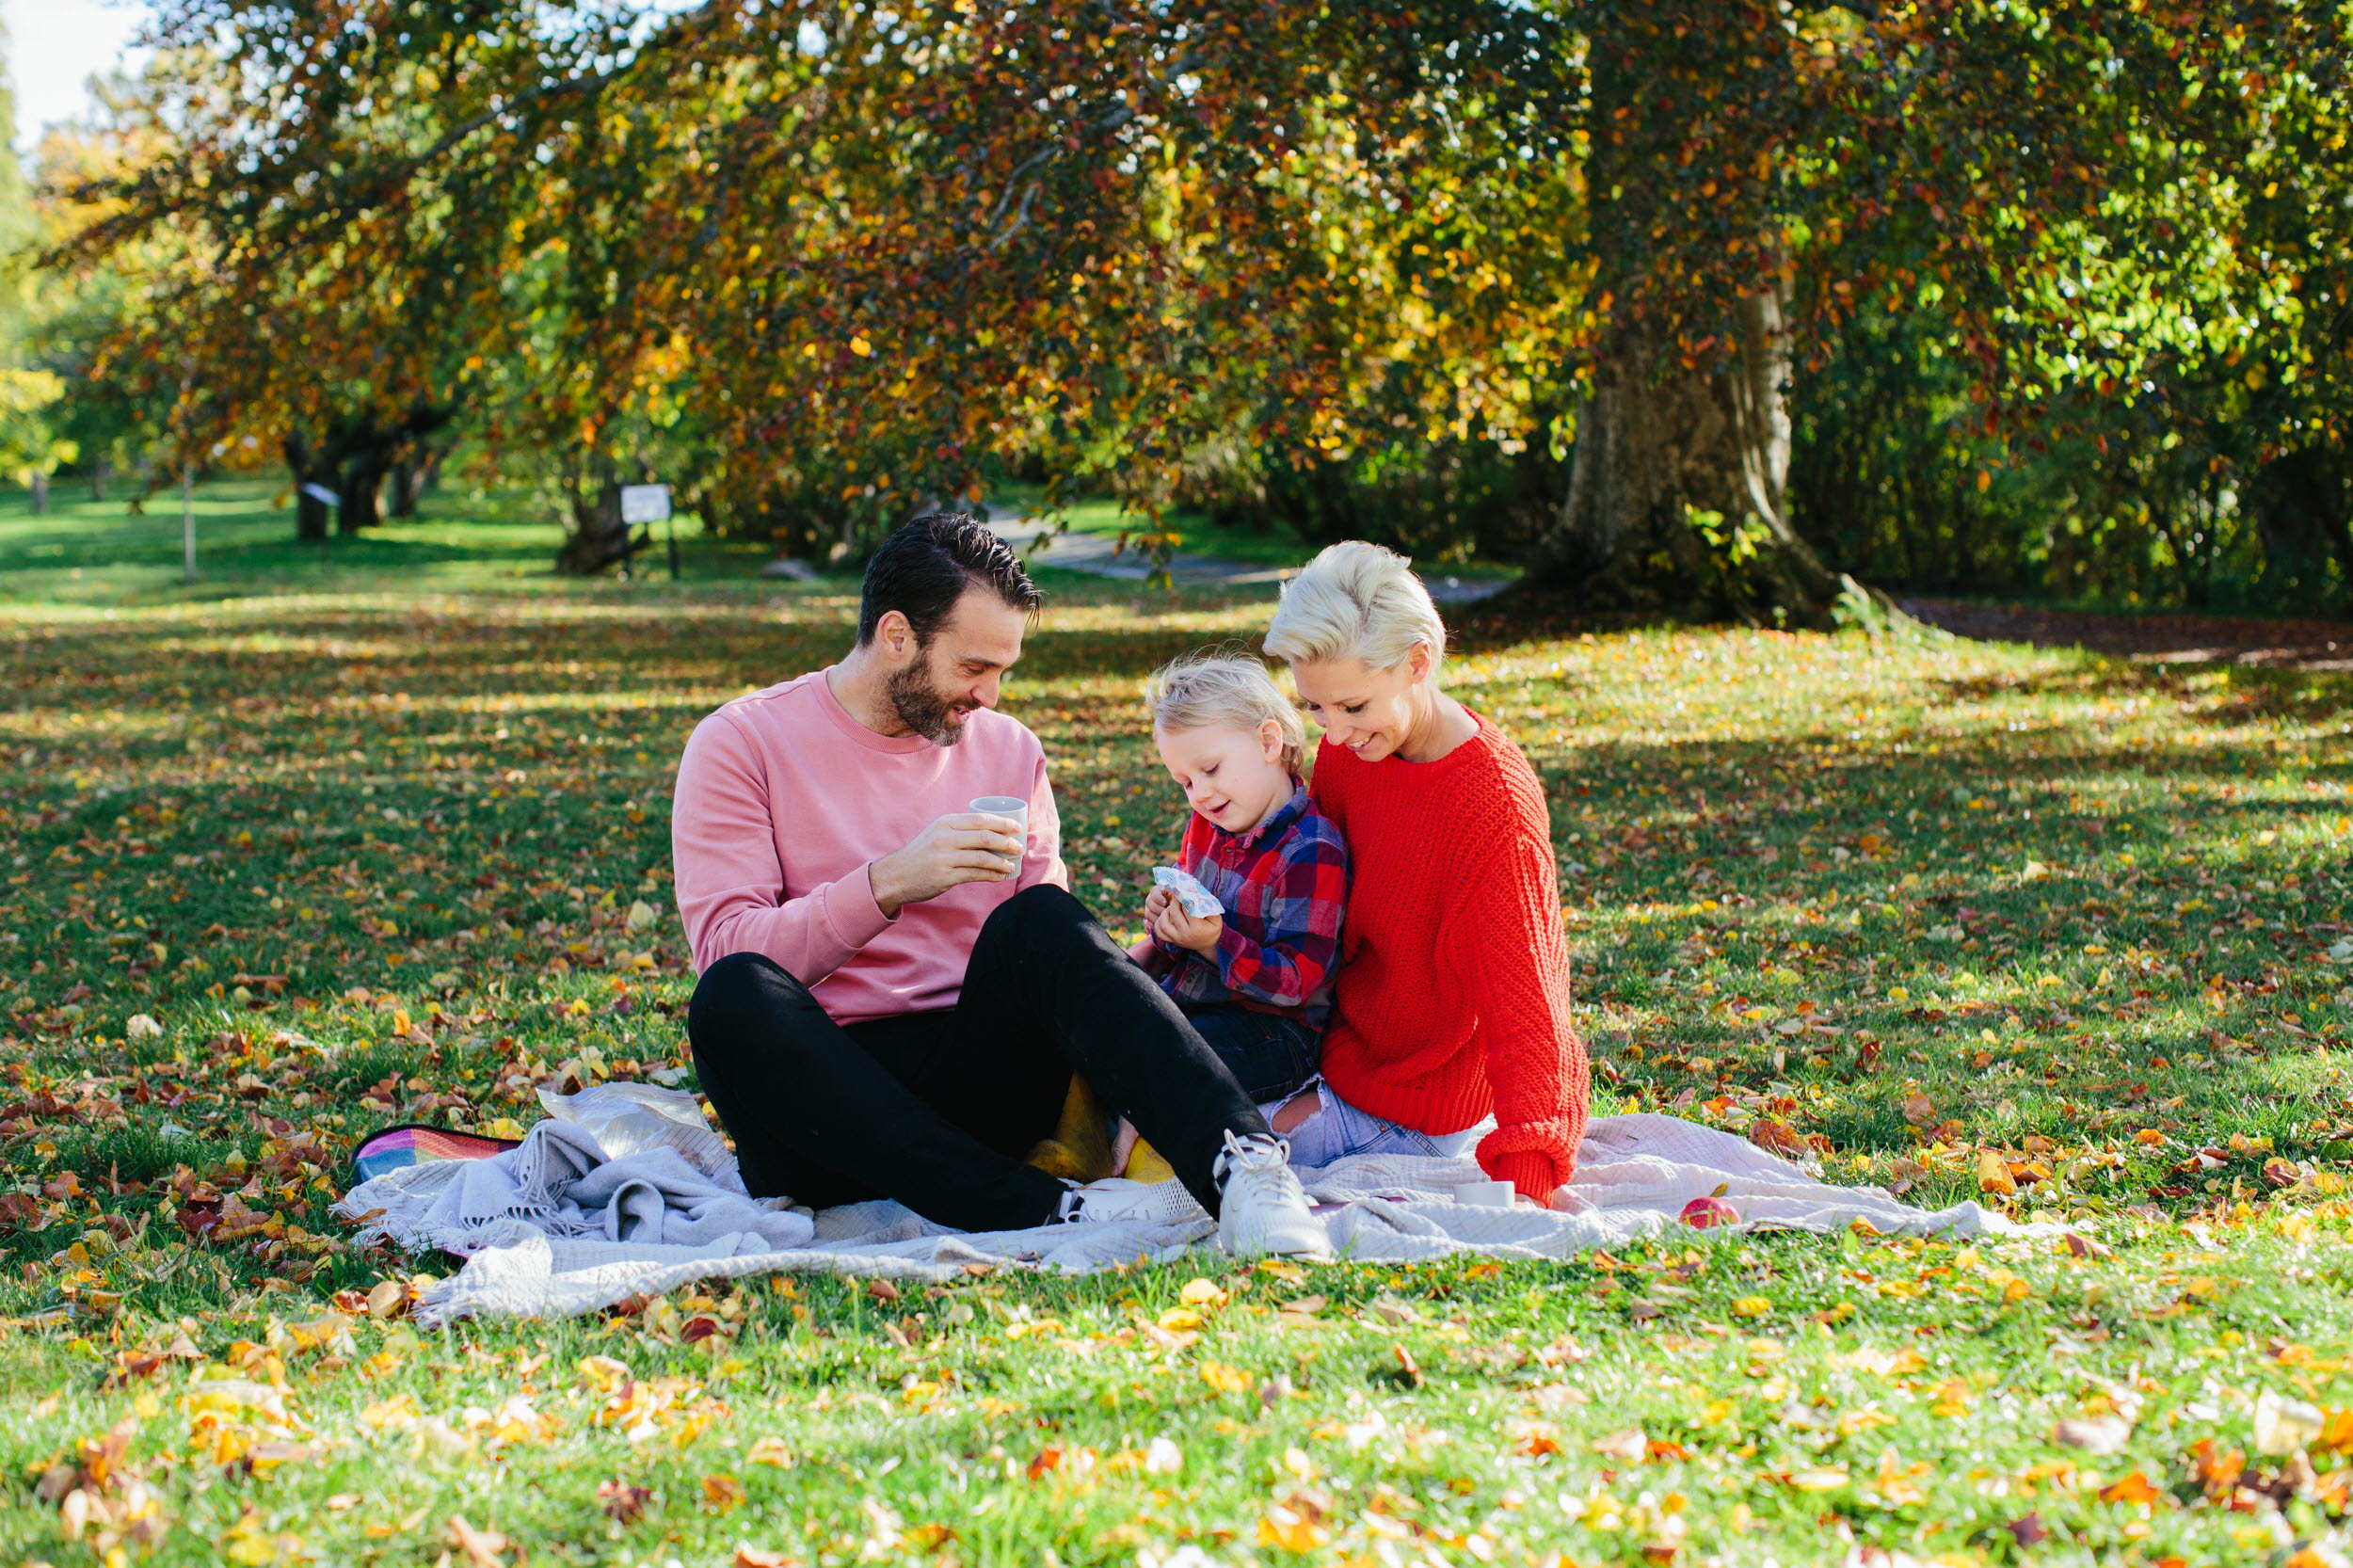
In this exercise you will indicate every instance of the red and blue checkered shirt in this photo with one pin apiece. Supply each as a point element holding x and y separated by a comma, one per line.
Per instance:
<point>1284,884</point>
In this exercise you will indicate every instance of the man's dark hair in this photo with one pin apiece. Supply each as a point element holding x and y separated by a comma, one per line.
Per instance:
<point>926,565</point>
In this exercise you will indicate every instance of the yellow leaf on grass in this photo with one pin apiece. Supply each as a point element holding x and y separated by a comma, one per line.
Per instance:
<point>1304,1307</point>
<point>2338,1433</point>
<point>771,1450</point>
<point>2134,1488</point>
<point>400,1411</point>
<point>1225,1379</point>
<point>1201,1292</point>
<point>603,1373</point>
<point>1993,1174</point>
<point>1290,1531</point>
<point>1752,1306</point>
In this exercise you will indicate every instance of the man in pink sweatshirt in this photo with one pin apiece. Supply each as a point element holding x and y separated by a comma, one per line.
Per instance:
<point>895,989</point>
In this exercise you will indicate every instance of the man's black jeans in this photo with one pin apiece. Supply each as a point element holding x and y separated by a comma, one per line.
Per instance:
<point>937,1109</point>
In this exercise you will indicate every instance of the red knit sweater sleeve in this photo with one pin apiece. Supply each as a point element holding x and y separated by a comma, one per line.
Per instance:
<point>1504,936</point>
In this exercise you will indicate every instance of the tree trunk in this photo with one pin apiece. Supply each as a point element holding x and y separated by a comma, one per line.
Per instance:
<point>598,539</point>
<point>401,498</point>
<point>350,458</point>
<point>308,468</point>
<point>362,477</point>
<point>98,479</point>
<point>40,494</point>
<point>312,520</point>
<point>1677,498</point>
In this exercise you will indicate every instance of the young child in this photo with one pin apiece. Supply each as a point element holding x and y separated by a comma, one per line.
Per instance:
<point>1256,981</point>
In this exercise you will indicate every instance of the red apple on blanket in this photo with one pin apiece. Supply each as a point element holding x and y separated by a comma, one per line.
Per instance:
<point>1710,1212</point>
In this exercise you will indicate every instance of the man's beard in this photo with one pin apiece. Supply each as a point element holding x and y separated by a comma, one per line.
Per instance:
<point>919,706</point>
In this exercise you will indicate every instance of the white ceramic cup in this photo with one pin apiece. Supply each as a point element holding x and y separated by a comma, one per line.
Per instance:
<point>1007,806</point>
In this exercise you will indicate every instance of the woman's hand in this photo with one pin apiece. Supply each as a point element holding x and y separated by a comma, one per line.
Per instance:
<point>1197,934</point>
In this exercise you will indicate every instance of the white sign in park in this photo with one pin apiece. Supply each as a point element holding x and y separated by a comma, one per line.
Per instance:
<point>645,503</point>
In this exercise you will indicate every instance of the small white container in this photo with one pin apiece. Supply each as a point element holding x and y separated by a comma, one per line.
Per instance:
<point>1007,806</point>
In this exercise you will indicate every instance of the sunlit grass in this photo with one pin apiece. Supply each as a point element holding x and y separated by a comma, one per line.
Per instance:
<point>2064,935</point>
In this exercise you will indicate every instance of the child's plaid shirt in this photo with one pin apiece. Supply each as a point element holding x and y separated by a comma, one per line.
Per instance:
<point>1284,884</point>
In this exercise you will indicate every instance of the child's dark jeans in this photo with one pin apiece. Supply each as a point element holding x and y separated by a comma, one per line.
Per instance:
<point>1269,1054</point>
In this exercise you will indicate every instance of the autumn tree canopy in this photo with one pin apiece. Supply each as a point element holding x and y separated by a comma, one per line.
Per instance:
<point>820,262</point>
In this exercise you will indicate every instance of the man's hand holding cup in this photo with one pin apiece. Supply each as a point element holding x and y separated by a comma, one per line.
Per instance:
<point>985,844</point>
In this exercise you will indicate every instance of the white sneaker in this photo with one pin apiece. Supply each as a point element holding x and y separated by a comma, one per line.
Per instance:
<point>1261,1209</point>
<point>1118,1200</point>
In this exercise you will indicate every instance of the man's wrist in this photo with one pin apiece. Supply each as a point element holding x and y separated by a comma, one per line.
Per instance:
<point>884,887</point>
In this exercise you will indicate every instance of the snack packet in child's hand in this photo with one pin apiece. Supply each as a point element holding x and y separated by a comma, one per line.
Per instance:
<point>1198,901</point>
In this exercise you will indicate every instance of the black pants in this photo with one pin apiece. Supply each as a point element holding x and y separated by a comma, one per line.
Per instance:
<point>937,1109</point>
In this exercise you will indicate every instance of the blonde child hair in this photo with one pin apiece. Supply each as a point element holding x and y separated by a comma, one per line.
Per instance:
<point>1355,600</point>
<point>1205,689</point>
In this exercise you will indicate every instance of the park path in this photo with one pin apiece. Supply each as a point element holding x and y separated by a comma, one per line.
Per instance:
<point>1098,555</point>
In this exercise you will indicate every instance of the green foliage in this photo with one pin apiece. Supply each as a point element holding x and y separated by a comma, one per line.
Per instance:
<point>1437,501</point>
<point>1351,267</point>
<point>2179,499</point>
<point>30,445</point>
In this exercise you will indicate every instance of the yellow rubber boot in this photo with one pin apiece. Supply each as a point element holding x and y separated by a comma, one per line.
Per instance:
<point>1081,1148</point>
<point>1145,1164</point>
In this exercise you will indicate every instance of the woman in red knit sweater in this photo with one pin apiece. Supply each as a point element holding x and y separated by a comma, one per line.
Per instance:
<point>1451,1002</point>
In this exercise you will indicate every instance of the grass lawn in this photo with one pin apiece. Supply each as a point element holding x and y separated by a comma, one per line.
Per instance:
<point>295,853</point>
<point>100,553</point>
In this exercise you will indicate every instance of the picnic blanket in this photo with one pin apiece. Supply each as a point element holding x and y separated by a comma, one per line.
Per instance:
<point>626,1191</point>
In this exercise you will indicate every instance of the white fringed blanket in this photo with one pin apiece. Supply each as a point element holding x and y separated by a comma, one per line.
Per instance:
<point>626,1191</point>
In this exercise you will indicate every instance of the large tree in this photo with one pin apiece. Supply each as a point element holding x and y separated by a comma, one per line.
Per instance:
<point>848,255</point>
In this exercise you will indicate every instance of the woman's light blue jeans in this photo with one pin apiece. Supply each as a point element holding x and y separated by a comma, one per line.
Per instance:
<point>1338,1129</point>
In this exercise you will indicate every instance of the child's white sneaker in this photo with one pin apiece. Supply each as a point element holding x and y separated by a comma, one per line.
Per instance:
<point>1261,1209</point>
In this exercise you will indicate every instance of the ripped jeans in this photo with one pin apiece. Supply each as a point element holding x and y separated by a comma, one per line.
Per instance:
<point>1337,1130</point>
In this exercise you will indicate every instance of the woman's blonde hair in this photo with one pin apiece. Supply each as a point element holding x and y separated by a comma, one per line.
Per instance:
<point>1205,689</point>
<point>1355,600</point>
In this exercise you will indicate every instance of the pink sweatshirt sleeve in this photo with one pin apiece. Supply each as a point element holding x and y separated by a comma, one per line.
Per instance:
<point>1041,859</point>
<point>731,886</point>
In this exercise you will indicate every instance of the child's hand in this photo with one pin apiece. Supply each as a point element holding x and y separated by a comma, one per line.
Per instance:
<point>1198,934</point>
<point>1155,902</point>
